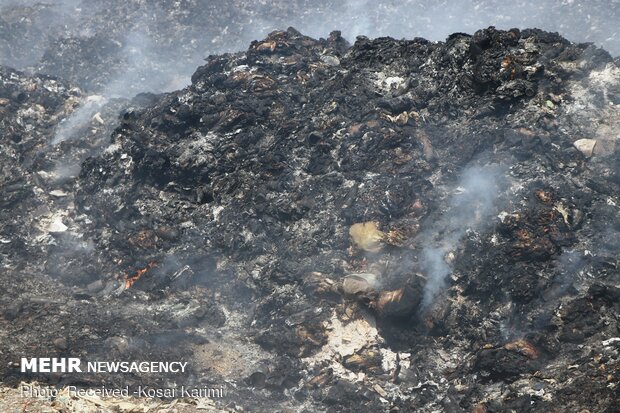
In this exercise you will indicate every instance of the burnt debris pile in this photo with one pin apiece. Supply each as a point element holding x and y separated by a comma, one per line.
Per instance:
<point>392,225</point>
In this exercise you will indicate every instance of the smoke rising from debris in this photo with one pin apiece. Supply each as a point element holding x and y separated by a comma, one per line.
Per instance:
<point>230,27</point>
<point>470,208</point>
<point>79,118</point>
<point>138,74</point>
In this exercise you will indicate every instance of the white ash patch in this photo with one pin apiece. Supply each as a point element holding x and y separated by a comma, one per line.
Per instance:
<point>112,148</point>
<point>389,84</point>
<point>216,211</point>
<point>587,93</point>
<point>345,339</point>
<point>593,107</point>
<point>391,360</point>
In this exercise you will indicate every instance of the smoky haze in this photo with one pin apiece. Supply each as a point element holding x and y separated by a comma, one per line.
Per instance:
<point>173,39</point>
<point>121,48</point>
<point>471,208</point>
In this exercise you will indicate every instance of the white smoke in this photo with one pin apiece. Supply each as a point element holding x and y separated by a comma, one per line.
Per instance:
<point>470,208</point>
<point>81,117</point>
<point>594,21</point>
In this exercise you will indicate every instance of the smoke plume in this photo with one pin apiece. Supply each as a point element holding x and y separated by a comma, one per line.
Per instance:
<point>470,208</point>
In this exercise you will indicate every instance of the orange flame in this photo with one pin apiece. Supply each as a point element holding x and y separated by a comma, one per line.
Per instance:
<point>129,281</point>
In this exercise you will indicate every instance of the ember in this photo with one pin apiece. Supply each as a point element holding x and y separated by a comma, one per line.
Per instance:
<point>129,281</point>
<point>524,347</point>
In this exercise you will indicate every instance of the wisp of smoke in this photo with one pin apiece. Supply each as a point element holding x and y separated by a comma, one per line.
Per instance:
<point>67,129</point>
<point>469,209</point>
<point>137,45</point>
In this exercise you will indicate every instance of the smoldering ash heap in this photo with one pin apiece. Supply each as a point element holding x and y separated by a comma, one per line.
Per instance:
<point>393,225</point>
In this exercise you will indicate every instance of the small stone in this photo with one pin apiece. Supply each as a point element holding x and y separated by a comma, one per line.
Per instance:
<point>585,146</point>
<point>360,284</point>
<point>61,343</point>
<point>118,343</point>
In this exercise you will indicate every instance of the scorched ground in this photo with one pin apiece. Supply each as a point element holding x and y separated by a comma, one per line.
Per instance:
<point>393,225</point>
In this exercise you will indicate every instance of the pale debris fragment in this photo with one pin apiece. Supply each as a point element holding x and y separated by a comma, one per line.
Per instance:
<point>58,193</point>
<point>367,236</point>
<point>611,341</point>
<point>563,211</point>
<point>56,225</point>
<point>330,60</point>
<point>360,283</point>
<point>585,146</point>
<point>345,339</point>
<point>97,118</point>
<point>380,391</point>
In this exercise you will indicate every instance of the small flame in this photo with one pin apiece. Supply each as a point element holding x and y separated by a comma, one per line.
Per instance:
<point>129,281</point>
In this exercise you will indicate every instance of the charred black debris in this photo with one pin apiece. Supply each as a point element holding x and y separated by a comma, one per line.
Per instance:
<point>392,225</point>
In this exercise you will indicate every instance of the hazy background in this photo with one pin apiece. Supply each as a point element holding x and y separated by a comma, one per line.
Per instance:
<point>159,43</point>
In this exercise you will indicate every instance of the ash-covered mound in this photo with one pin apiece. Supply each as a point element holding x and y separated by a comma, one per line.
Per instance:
<point>396,225</point>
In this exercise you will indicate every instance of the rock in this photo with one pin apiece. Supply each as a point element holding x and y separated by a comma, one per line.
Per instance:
<point>585,146</point>
<point>119,344</point>
<point>61,343</point>
<point>360,284</point>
